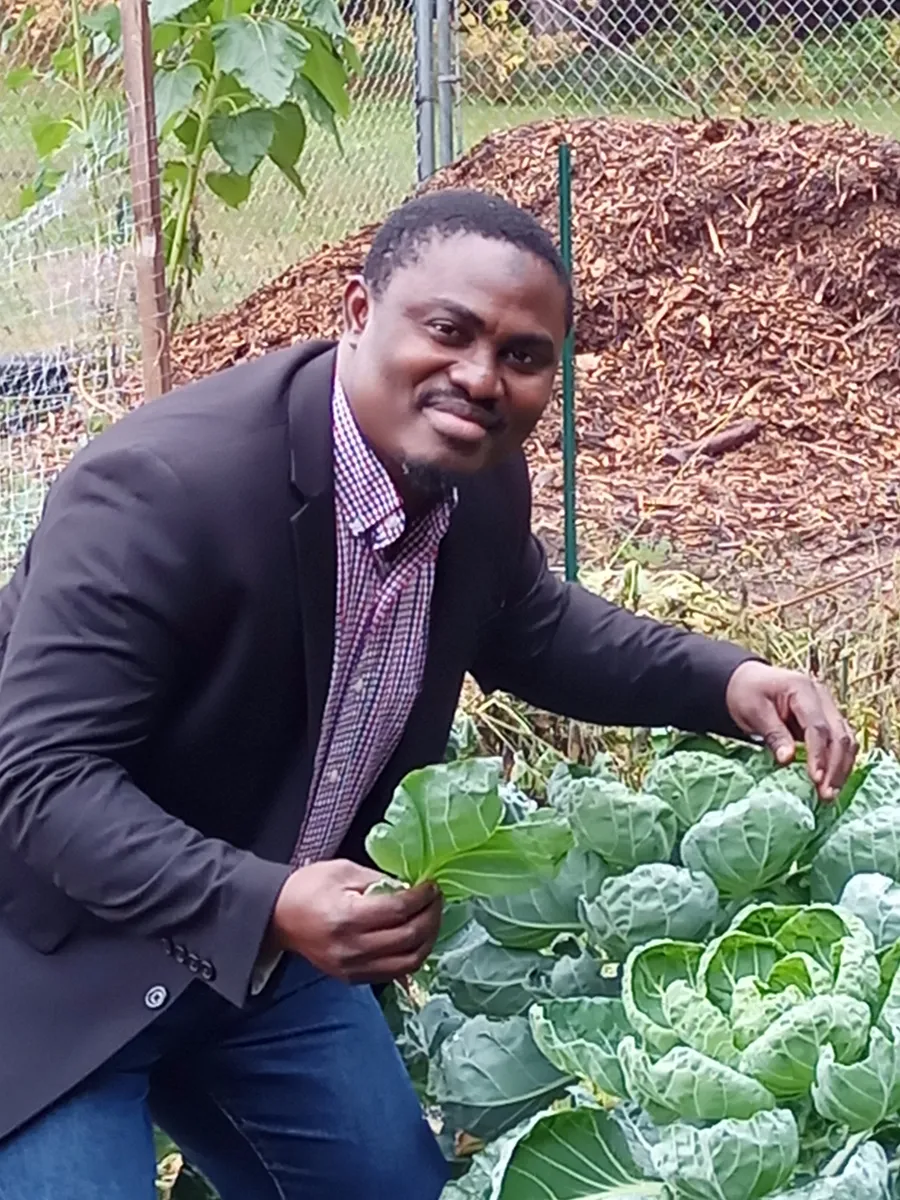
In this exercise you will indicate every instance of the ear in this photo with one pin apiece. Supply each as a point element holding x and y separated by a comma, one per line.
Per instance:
<point>357,305</point>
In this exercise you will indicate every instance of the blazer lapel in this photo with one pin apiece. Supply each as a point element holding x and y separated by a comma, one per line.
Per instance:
<point>312,525</point>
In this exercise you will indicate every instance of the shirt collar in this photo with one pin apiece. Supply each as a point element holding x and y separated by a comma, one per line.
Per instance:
<point>366,496</point>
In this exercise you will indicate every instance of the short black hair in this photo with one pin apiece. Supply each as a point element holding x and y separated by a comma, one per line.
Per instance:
<point>452,211</point>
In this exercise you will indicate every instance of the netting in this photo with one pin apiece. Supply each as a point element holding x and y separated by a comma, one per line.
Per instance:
<point>67,308</point>
<point>813,59</point>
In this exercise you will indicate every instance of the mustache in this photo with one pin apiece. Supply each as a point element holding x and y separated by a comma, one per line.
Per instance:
<point>461,405</point>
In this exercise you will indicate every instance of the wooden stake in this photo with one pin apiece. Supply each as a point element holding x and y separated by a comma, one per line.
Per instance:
<point>142,146</point>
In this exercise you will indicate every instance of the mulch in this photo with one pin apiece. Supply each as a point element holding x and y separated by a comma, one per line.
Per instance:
<point>738,336</point>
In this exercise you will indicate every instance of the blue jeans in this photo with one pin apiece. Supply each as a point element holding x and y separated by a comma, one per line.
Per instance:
<point>300,1096</point>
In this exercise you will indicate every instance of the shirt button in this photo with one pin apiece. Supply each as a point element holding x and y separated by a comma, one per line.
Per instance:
<point>333,775</point>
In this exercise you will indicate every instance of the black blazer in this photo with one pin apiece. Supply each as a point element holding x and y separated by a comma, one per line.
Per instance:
<point>166,645</point>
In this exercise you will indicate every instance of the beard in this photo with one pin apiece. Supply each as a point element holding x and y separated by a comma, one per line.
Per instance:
<point>428,481</point>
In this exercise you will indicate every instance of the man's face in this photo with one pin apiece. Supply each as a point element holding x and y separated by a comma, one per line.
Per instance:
<point>451,367</point>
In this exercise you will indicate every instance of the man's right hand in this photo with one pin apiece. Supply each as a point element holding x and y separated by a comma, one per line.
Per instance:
<point>323,914</point>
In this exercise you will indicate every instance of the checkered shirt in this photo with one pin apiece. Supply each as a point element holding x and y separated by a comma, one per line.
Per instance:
<point>383,601</point>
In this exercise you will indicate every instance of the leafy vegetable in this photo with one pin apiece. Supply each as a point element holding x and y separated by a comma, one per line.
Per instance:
<point>654,900</point>
<point>581,1038</point>
<point>625,828</point>
<point>733,1160</point>
<point>482,977</point>
<point>445,823</point>
<point>869,843</point>
<point>695,782</point>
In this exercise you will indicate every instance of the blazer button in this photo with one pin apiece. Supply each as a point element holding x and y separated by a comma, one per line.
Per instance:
<point>179,953</point>
<point>167,945</point>
<point>193,963</point>
<point>156,996</point>
<point>207,971</point>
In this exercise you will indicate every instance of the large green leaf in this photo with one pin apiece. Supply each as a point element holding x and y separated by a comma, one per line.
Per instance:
<point>865,1177</point>
<point>326,16</point>
<point>656,900</point>
<point>861,1094</point>
<point>784,1056</point>
<point>532,920</point>
<point>731,957</point>
<point>490,979</point>
<point>165,10</point>
<point>575,1155</point>
<point>49,134</point>
<point>625,828</point>
<point>649,970</point>
<point>732,1160</point>
<point>581,1037</point>
<point>512,859</point>
<point>243,140</point>
<point>693,782</point>
<point>561,793</point>
<point>173,92</point>
<point>262,53</point>
<point>875,899</point>
<point>868,843</point>
<point>288,141</point>
<point>489,1075</point>
<point>685,1083</point>
<point>435,813</point>
<point>326,72</point>
<point>577,973</point>
<point>748,844</point>
<point>753,1009</point>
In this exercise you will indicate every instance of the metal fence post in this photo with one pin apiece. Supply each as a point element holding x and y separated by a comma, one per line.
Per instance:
<point>424,89</point>
<point>446,78</point>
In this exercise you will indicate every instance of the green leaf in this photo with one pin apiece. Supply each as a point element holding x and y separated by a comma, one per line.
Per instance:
<point>564,774</point>
<point>753,1010</point>
<point>801,971</point>
<point>655,900</point>
<point>320,111</point>
<point>698,1023</point>
<point>49,135</point>
<point>784,1056</point>
<point>219,9</point>
<point>233,189</point>
<point>869,843</point>
<point>435,813</point>
<point>262,53</point>
<point>649,970</point>
<point>18,77</point>
<point>731,957</point>
<point>685,1083</point>
<point>64,61</point>
<point>327,73</point>
<point>513,859</point>
<point>625,828</point>
<point>288,140</point>
<point>694,782</point>
<point>860,1094</point>
<point>489,1075</point>
<point>243,140</point>
<point>165,10</point>
<point>325,15</point>
<point>577,1155</point>
<point>106,20</point>
<point>749,843</point>
<point>865,1177</point>
<point>580,974</point>
<point>532,920</point>
<point>163,37</point>
<point>580,1037</point>
<point>173,92</point>
<point>875,899</point>
<point>486,978</point>
<point>734,1160</point>
<point>175,172</point>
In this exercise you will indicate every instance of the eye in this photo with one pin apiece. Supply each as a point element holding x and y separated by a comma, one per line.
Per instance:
<point>444,329</point>
<point>522,359</point>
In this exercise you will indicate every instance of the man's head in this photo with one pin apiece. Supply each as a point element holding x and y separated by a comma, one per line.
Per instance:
<point>453,333</point>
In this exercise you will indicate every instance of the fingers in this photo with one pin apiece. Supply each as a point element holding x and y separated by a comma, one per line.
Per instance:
<point>831,745</point>
<point>389,953</point>
<point>395,910</point>
<point>775,734</point>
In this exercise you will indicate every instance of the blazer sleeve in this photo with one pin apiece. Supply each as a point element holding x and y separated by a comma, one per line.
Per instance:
<point>568,651</point>
<point>115,576</point>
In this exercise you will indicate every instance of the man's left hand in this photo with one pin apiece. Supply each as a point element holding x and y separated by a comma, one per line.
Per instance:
<point>786,707</point>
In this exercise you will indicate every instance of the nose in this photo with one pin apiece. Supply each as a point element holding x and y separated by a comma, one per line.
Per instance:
<point>476,373</point>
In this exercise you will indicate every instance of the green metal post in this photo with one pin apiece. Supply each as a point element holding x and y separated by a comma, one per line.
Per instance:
<point>568,369</point>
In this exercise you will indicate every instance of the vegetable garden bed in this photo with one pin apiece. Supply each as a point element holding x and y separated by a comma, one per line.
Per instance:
<point>689,990</point>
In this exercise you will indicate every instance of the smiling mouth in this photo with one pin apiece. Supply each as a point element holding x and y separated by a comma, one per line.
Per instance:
<point>460,421</point>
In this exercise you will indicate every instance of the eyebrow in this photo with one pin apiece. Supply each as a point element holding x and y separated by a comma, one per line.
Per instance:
<point>535,341</point>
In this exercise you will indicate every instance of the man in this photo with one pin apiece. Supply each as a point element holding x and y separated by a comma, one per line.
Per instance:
<point>245,615</point>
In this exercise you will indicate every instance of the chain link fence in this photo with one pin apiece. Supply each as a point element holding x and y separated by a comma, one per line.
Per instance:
<point>68,314</point>
<point>812,59</point>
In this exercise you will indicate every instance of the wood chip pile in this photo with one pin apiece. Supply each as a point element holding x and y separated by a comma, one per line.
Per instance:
<point>738,332</point>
